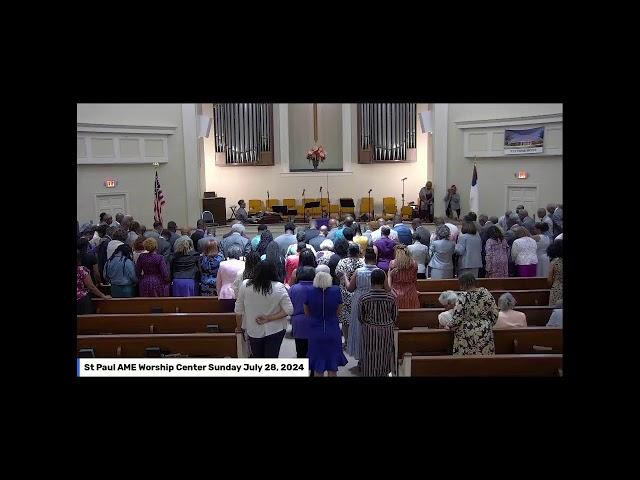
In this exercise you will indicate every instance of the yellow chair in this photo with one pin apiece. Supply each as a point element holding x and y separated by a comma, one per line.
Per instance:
<point>271,202</point>
<point>255,206</point>
<point>407,213</point>
<point>389,207</point>
<point>365,207</point>
<point>334,208</point>
<point>289,203</point>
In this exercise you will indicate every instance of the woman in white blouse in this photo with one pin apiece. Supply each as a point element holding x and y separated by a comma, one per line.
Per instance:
<point>263,308</point>
<point>524,253</point>
<point>507,316</point>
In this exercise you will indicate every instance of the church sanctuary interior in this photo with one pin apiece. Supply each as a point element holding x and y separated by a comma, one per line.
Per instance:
<point>371,239</point>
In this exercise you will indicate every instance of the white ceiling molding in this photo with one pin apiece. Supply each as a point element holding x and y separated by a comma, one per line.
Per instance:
<point>113,128</point>
<point>510,122</point>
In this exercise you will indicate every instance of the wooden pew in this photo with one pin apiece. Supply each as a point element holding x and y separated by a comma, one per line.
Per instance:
<point>534,340</point>
<point>156,323</point>
<point>133,346</point>
<point>428,317</point>
<point>512,283</point>
<point>483,366</point>
<point>157,305</point>
<point>523,297</point>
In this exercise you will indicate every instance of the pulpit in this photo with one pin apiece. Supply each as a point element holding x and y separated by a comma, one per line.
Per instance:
<point>217,206</point>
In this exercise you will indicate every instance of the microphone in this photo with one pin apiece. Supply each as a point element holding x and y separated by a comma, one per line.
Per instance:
<point>404,179</point>
<point>370,190</point>
<point>303,191</point>
<point>321,189</point>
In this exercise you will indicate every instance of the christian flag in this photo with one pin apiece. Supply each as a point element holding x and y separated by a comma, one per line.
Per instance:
<point>158,202</point>
<point>474,198</point>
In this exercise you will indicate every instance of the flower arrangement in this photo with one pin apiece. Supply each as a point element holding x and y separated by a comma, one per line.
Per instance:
<point>316,155</point>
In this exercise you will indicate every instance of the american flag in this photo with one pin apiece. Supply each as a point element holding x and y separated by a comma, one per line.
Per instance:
<point>158,201</point>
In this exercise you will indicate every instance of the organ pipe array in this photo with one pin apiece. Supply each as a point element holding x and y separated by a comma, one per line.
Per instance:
<point>388,129</point>
<point>243,131</point>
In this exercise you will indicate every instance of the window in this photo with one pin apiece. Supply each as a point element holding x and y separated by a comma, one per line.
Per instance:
<point>243,133</point>
<point>386,132</point>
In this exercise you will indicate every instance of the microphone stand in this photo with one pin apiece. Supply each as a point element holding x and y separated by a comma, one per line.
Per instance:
<point>304,206</point>
<point>328,201</point>
<point>403,192</point>
<point>321,207</point>
<point>370,207</point>
<point>267,201</point>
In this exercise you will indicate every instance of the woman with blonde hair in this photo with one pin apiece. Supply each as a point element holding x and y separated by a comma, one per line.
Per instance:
<point>209,265</point>
<point>185,268</point>
<point>152,271</point>
<point>403,278</point>
<point>321,307</point>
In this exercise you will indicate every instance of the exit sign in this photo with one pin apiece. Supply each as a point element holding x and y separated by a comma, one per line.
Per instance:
<point>110,183</point>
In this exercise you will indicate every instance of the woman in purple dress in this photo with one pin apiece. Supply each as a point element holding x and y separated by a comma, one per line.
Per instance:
<point>384,249</point>
<point>152,271</point>
<point>325,338</point>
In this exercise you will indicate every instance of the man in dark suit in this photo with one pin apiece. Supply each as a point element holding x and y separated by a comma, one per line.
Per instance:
<point>311,232</point>
<point>172,227</point>
<point>525,220</point>
<point>199,233</point>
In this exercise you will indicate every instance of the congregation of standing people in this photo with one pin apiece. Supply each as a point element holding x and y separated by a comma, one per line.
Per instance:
<point>339,286</point>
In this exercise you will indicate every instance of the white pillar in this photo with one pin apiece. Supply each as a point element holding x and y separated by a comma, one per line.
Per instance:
<point>191,164</point>
<point>441,126</point>
<point>281,134</point>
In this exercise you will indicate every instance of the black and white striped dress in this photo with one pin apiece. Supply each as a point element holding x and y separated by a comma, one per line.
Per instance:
<point>378,314</point>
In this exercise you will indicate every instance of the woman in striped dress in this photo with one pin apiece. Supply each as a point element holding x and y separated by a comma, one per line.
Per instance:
<point>346,268</point>
<point>360,284</point>
<point>378,314</point>
<point>403,278</point>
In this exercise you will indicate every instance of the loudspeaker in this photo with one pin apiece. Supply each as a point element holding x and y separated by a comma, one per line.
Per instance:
<point>426,121</point>
<point>204,125</point>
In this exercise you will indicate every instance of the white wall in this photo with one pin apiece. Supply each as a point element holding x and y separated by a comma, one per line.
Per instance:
<point>136,180</point>
<point>495,173</point>
<point>301,134</point>
<point>246,183</point>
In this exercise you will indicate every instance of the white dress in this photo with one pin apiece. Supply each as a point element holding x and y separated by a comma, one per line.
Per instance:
<point>543,260</point>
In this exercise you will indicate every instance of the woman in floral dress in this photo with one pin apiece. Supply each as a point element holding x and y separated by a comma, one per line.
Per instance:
<point>555,272</point>
<point>473,319</point>
<point>496,254</point>
<point>346,268</point>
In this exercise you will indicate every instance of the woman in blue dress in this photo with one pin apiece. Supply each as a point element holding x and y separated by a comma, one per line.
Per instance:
<point>359,283</point>
<point>209,265</point>
<point>325,338</point>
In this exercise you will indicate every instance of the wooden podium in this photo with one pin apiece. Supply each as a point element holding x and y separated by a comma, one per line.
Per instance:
<point>217,206</point>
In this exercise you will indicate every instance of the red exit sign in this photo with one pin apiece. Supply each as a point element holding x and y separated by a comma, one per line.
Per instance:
<point>110,183</point>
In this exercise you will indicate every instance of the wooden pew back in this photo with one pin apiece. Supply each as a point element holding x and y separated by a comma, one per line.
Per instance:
<point>523,297</point>
<point>507,341</point>
<point>428,317</point>
<point>156,323</point>
<point>512,283</point>
<point>157,305</point>
<point>133,346</point>
<point>484,366</point>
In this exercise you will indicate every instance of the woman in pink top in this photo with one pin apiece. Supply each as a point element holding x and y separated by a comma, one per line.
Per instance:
<point>227,273</point>
<point>292,262</point>
<point>507,316</point>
